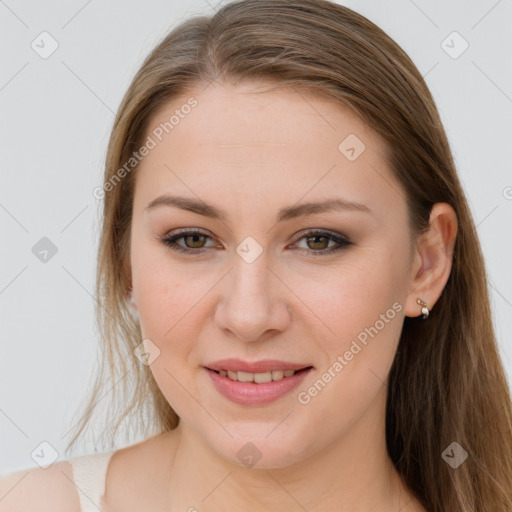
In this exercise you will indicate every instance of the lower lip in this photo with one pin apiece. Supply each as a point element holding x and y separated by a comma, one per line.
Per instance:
<point>250,393</point>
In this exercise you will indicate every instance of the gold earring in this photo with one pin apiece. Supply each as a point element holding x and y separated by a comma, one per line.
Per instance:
<point>424,308</point>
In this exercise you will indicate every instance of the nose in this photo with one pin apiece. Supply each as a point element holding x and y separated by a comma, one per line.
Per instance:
<point>254,303</point>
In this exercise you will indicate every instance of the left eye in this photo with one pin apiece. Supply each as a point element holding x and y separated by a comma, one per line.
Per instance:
<point>317,241</point>
<point>320,240</point>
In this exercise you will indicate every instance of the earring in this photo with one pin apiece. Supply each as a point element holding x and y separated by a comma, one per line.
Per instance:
<point>424,308</point>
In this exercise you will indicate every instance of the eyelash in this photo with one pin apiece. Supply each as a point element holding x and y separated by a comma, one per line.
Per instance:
<point>342,240</point>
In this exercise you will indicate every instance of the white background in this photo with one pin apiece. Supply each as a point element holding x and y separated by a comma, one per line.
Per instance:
<point>55,118</point>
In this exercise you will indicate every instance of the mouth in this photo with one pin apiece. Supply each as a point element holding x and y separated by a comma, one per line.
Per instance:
<point>256,384</point>
<point>259,377</point>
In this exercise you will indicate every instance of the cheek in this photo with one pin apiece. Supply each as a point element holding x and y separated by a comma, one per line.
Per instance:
<point>166,300</point>
<point>366,314</point>
<point>360,310</point>
<point>161,291</point>
<point>166,306</point>
<point>352,295</point>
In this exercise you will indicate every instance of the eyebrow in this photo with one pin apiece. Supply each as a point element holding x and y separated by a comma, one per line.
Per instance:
<point>291,212</point>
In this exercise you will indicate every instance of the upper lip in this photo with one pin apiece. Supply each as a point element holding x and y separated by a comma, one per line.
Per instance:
<point>265,365</point>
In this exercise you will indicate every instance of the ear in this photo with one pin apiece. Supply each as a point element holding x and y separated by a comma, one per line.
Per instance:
<point>432,260</point>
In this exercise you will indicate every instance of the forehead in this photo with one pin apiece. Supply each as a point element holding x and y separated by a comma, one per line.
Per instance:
<point>252,114</point>
<point>245,140</point>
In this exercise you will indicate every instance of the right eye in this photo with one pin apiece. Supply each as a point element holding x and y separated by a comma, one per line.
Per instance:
<point>194,241</point>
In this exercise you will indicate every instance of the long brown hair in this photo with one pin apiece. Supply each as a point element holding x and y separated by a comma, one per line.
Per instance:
<point>447,383</point>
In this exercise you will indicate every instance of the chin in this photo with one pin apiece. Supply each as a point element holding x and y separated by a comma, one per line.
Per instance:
<point>262,451</point>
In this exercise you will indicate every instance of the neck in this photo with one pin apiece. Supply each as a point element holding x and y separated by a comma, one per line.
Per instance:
<point>353,473</point>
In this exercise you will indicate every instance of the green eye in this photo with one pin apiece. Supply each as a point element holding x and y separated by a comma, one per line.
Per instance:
<point>317,241</point>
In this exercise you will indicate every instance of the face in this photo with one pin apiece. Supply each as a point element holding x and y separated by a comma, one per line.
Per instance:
<point>323,288</point>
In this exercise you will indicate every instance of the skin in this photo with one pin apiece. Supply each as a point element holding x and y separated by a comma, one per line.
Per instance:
<point>251,152</point>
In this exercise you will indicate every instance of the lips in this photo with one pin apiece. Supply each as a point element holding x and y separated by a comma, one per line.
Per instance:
<point>259,392</point>
<point>262,366</point>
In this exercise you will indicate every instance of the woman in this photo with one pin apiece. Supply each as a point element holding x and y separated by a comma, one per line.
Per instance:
<point>290,277</point>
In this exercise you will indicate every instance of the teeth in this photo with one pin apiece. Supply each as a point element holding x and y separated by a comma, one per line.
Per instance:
<point>259,378</point>
<point>246,377</point>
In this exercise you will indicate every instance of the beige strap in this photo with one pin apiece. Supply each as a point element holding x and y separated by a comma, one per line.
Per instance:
<point>89,475</point>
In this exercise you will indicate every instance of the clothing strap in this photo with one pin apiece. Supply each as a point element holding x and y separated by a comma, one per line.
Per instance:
<point>89,475</point>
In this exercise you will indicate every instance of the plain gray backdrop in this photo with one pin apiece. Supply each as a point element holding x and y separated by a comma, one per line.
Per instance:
<point>56,112</point>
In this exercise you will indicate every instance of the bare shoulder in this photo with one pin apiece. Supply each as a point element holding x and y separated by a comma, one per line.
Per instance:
<point>137,474</point>
<point>40,490</point>
<point>134,474</point>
